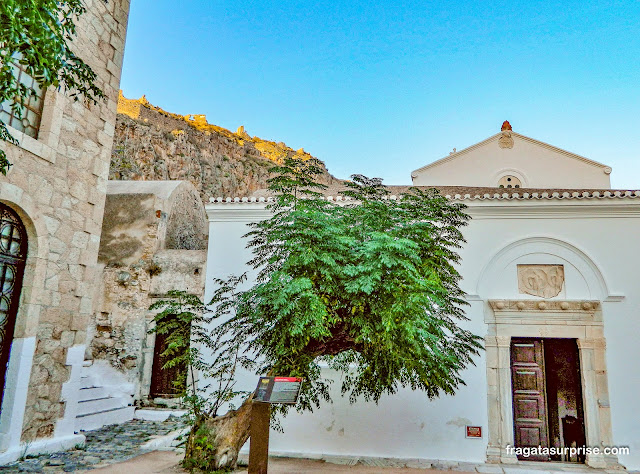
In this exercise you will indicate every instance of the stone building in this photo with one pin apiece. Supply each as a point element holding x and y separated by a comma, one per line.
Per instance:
<point>51,206</point>
<point>550,271</point>
<point>154,236</point>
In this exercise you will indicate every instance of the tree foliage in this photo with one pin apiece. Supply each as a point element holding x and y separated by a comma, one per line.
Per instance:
<point>37,34</point>
<point>368,286</point>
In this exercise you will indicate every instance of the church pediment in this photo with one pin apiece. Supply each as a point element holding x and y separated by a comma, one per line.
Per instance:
<point>509,159</point>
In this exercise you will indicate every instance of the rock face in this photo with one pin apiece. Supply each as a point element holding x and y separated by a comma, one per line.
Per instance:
<point>152,144</point>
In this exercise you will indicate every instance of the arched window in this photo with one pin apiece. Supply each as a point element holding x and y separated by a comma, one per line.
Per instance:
<point>13,254</point>
<point>509,181</point>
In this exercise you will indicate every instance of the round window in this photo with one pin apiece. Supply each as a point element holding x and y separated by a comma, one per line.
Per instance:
<point>509,181</point>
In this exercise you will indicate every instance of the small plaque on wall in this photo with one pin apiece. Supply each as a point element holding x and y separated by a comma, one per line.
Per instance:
<point>473,432</point>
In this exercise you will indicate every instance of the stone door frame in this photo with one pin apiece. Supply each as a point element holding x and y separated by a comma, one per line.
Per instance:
<point>580,320</point>
<point>26,324</point>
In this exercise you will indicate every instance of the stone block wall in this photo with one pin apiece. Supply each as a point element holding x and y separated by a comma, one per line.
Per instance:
<point>154,239</point>
<point>120,332</point>
<point>57,184</point>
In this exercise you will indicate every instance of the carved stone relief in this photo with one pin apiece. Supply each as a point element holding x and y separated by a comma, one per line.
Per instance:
<point>545,281</point>
<point>505,141</point>
<point>556,306</point>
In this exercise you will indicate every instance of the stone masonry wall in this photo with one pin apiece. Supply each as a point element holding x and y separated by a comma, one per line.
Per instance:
<point>58,183</point>
<point>154,236</point>
<point>120,332</point>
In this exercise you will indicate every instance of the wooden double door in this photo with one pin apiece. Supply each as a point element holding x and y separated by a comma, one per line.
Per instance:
<point>547,398</point>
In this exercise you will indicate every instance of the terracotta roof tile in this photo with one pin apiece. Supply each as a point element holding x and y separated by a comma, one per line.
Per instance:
<point>469,193</point>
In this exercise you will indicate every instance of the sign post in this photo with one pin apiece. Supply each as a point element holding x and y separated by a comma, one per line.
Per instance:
<point>280,390</point>
<point>259,437</point>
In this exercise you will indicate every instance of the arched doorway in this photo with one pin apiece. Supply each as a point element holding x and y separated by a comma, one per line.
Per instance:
<point>13,253</point>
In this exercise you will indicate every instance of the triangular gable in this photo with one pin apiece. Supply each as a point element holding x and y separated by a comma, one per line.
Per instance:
<point>496,137</point>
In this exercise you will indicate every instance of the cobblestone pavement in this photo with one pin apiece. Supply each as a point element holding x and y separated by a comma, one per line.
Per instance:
<point>108,445</point>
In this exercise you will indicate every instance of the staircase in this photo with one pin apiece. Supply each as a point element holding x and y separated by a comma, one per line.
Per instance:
<point>101,402</point>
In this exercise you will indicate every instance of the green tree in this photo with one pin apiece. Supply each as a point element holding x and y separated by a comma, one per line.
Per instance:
<point>368,285</point>
<point>37,34</point>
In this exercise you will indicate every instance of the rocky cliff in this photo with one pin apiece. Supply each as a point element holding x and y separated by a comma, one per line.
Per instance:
<point>152,144</point>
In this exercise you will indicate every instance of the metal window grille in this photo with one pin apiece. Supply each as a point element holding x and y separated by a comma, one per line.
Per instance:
<point>29,122</point>
<point>13,253</point>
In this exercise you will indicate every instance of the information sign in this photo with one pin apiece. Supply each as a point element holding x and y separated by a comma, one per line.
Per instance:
<point>278,389</point>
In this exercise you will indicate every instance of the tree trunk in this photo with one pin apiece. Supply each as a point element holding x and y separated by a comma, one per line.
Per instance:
<point>214,443</point>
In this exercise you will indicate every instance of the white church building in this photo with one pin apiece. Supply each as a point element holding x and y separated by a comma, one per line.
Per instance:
<point>551,269</point>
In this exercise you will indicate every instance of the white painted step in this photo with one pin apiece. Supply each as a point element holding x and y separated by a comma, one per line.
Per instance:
<point>157,414</point>
<point>99,405</point>
<point>86,382</point>
<point>97,420</point>
<point>92,393</point>
<point>105,397</point>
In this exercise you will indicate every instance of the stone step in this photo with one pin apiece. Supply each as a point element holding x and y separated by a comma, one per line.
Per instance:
<point>99,405</point>
<point>92,393</point>
<point>157,414</point>
<point>94,421</point>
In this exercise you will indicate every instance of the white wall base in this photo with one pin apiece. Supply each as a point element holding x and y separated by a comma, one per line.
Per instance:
<point>104,397</point>
<point>50,445</point>
<point>15,396</point>
<point>71,392</point>
<point>15,393</point>
<point>521,467</point>
<point>102,374</point>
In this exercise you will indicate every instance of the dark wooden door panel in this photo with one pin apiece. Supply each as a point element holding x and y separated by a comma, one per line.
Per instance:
<point>527,381</point>
<point>528,408</point>
<point>529,399</point>
<point>166,382</point>
<point>530,435</point>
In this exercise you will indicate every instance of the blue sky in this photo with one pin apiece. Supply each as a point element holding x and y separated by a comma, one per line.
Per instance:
<point>382,88</point>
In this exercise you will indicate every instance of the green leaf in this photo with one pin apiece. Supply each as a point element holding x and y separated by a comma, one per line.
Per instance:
<point>38,34</point>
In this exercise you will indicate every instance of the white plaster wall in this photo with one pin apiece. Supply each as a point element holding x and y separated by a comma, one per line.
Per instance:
<point>12,413</point>
<point>604,233</point>
<point>537,165</point>
<point>407,425</point>
<point>591,239</point>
